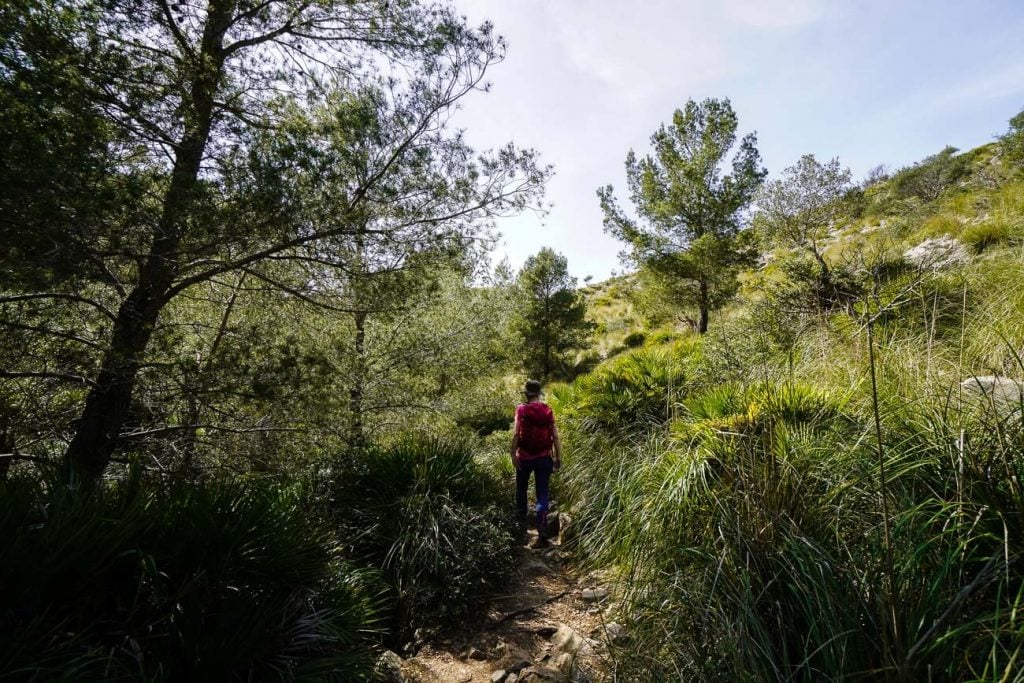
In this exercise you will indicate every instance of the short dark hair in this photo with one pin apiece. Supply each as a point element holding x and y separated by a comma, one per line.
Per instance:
<point>532,388</point>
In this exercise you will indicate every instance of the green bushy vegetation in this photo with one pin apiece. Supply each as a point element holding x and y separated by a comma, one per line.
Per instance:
<point>225,581</point>
<point>433,518</point>
<point>778,515</point>
<point>207,582</point>
<point>258,371</point>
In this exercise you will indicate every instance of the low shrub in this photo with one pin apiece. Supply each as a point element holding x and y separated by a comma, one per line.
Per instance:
<point>433,518</point>
<point>210,582</point>
<point>634,339</point>
<point>752,532</point>
<point>635,390</point>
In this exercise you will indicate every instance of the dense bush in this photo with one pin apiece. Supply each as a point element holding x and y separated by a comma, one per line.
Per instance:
<point>752,531</point>
<point>928,179</point>
<point>213,582</point>
<point>634,339</point>
<point>435,520</point>
<point>635,390</point>
<point>1013,141</point>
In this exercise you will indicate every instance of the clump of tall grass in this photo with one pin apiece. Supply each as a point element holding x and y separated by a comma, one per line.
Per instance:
<point>633,391</point>
<point>433,518</point>
<point>218,581</point>
<point>751,531</point>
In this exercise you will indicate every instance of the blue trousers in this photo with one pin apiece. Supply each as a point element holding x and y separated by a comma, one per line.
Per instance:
<point>541,469</point>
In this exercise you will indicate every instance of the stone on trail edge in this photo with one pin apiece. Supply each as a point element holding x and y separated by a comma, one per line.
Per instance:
<point>566,640</point>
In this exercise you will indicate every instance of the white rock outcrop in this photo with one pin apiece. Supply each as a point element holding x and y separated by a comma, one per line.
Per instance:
<point>937,253</point>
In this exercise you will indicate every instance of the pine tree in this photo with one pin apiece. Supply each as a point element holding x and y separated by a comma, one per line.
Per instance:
<point>552,318</point>
<point>690,213</point>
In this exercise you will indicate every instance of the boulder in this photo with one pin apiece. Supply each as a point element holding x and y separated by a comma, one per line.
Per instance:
<point>937,253</point>
<point>594,594</point>
<point>1003,393</point>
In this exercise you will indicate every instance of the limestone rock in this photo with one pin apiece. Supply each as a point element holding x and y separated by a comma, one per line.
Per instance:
<point>498,676</point>
<point>564,662</point>
<point>518,665</point>
<point>540,674</point>
<point>937,253</point>
<point>389,667</point>
<point>554,524</point>
<point>1001,392</point>
<point>594,594</point>
<point>566,640</point>
<point>566,530</point>
<point>474,654</point>
<point>615,633</point>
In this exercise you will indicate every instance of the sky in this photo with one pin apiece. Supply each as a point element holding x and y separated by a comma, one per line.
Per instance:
<point>868,81</point>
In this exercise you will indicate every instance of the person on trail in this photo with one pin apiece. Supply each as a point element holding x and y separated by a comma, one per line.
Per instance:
<point>536,450</point>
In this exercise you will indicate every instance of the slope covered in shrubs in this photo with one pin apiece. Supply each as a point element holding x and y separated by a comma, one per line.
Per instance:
<point>823,493</point>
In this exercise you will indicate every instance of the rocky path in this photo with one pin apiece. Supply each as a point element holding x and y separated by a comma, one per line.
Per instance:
<point>555,627</point>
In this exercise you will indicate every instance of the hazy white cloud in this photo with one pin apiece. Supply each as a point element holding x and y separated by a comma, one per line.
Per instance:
<point>774,14</point>
<point>640,48</point>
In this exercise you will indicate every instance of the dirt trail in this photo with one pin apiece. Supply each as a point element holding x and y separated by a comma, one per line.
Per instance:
<point>552,628</point>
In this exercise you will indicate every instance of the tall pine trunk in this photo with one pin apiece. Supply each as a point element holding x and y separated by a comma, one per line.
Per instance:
<point>107,404</point>
<point>704,305</point>
<point>357,430</point>
<point>357,433</point>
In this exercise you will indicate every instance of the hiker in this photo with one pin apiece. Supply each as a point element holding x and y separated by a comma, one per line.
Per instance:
<point>536,449</point>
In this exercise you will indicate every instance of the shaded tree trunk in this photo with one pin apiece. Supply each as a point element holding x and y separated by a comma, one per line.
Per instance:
<point>107,404</point>
<point>357,433</point>
<point>704,304</point>
<point>825,289</point>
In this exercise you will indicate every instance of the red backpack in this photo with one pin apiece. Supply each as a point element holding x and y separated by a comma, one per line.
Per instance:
<point>536,429</point>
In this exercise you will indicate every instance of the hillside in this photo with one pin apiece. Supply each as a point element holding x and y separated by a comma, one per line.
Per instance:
<point>809,492</point>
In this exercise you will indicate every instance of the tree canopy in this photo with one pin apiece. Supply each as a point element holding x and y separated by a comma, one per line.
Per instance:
<point>689,213</point>
<point>302,145</point>
<point>552,314</point>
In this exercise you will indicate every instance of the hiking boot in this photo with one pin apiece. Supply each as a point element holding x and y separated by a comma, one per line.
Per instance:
<point>539,542</point>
